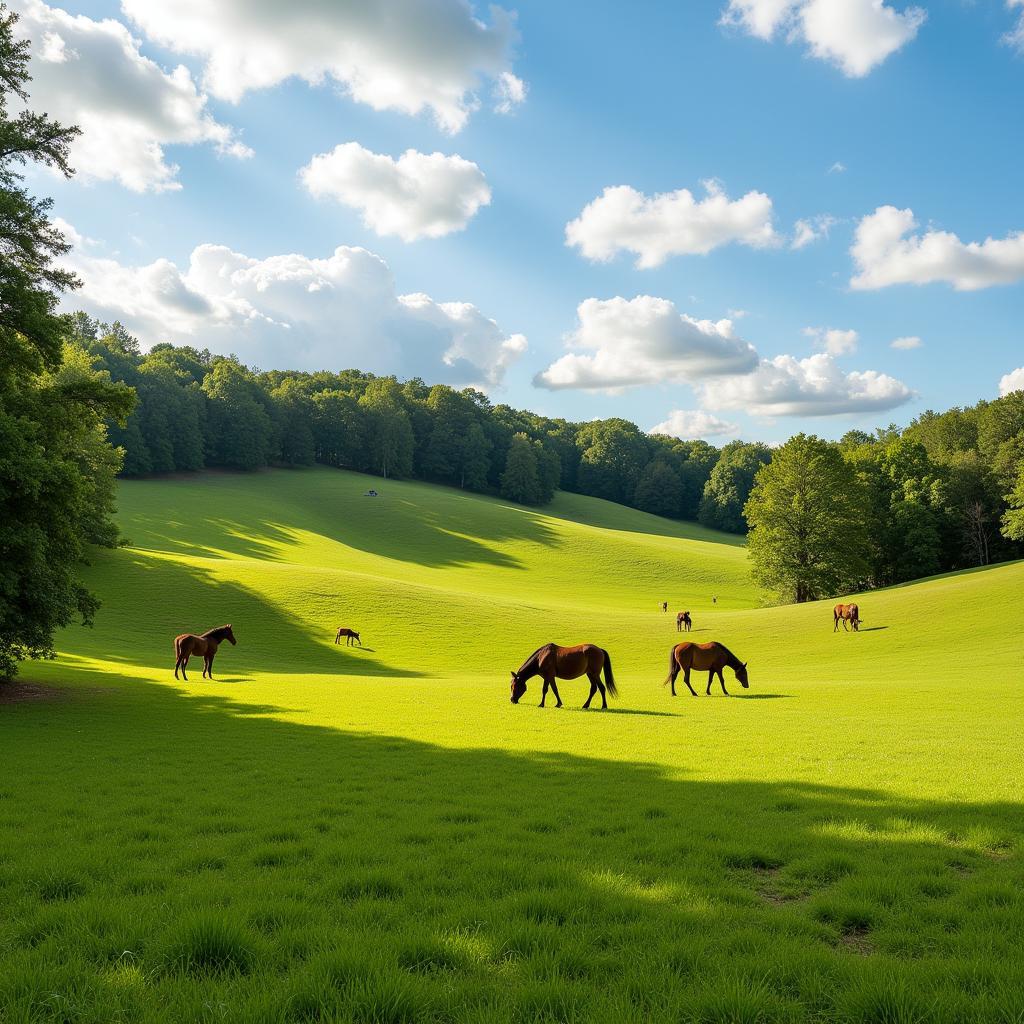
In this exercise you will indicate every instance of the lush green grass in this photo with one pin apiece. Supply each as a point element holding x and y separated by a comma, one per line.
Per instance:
<point>368,835</point>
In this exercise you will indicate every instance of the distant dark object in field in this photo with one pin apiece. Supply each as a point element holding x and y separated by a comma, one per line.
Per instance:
<point>350,635</point>
<point>664,606</point>
<point>846,613</point>
<point>683,622</point>
<point>371,493</point>
<point>711,658</point>
<point>551,660</point>
<point>205,646</point>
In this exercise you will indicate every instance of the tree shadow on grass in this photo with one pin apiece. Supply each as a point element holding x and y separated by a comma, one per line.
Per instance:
<point>353,873</point>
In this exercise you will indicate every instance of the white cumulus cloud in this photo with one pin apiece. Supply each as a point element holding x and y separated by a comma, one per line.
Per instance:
<point>905,343</point>
<point>91,73</point>
<point>832,340</point>
<point>815,386</point>
<point>296,312</point>
<point>404,55</point>
<point>885,253</point>
<point>854,35</point>
<point>1015,37</point>
<point>1012,381</point>
<point>807,231</point>
<point>419,195</point>
<point>688,424</point>
<point>620,343</point>
<point>669,224</point>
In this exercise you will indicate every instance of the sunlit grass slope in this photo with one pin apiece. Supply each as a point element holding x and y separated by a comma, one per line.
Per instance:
<point>329,833</point>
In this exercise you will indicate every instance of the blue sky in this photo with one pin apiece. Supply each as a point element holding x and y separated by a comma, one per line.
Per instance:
<point>658,97</point>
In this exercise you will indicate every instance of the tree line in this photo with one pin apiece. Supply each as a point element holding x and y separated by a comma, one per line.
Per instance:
<point>197,409</point>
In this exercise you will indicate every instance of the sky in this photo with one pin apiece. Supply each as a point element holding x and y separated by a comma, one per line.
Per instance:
<point>738,218</point>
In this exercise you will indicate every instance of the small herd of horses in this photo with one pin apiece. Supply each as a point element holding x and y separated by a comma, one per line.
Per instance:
<point>552,661</point>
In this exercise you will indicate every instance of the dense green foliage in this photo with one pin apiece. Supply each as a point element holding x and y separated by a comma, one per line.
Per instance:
<point>332,834</point>
<point>57,468</point>
<point>808,527</point>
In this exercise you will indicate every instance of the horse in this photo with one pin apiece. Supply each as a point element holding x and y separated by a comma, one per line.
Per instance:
<point>683,621</point>
<point>664,606</point>
<point>551,660</point>
<point>846,613</point>
<point>206,645</point>
<point>350,635</point>
<point>711,657</point>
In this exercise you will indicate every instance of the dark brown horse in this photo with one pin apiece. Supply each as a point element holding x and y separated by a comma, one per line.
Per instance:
<point>683,621</point>
<point>551,660</point>
<point>350,635</point>
<point>711,658</point>
<point>204,646</point>
<point>846,613</point>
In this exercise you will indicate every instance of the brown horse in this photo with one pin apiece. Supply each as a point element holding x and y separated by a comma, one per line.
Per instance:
<point>205,646</point>
<point>711,658</point>
<point>846,613</point>
<point>350,635</point>
<point>551,660</point>
<point>683,621</point>
<point>664,606</point>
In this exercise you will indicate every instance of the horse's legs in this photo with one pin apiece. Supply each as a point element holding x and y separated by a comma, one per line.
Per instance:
<point>209,666</point>
<point>593,690</point>
<point>711,679</point>
<point>544,693</point>
<point>721,679</point>
<point>604,699</point>
<point>836,626</point>
<point>554,690</point>
<point>686,679</point>
<point>184,665</point>
<point>673,673</point>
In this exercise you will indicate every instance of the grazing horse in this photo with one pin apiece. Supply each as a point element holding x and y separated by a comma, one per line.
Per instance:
<point>683,621</point>
<point>350,635</point>
<point>846,613</point>
<point>664,606</point>
<point>205,645</point>
<point>551,660</point>
<point>711,657</point>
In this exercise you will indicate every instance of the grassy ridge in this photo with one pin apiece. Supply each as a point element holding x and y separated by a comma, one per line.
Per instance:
<point>333,834</point>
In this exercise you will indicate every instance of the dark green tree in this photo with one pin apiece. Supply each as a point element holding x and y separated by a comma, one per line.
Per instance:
<point>390,432</point>
<point>659,490</point>
<point>520,481</point>
<point>729,486</point>
<point>808,522</point>
<point>240,432</point>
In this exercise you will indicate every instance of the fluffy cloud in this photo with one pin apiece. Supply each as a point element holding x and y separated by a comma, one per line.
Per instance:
<point>854,35</point>
<point>908,342</point>
<point>837,168</point>
<point>885,255</point>
<point>404,55</point>
<point>815,386</point>
<point>807,231</point>
<point>91,73</point>
<point>1012,381</point>
<point>688,424</point>
<point>419,195</point>
<point>1015,37</point>
<point>295,311</point>
<point>833,341</point>
<point>645,340</point>
<point>669,224</point>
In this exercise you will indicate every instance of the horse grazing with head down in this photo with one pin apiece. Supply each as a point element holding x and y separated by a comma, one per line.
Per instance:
<point>204,646</point>
<point>683,622</point>
<point>551,660</point>
<point>711,658</point>
<point>350,636</point>
<point>846,613</point>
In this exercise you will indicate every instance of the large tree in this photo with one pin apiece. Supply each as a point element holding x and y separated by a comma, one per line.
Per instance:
<point>56,466</point>
<point>808,522</point>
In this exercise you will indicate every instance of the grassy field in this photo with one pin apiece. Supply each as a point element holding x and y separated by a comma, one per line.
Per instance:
<point>377,835</point>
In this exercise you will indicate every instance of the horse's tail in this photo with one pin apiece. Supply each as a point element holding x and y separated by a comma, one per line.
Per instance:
<point>671,666</point>
<point>609,679</point>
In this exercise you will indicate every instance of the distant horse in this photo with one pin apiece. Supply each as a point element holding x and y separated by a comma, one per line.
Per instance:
<point>711,658</point>
<point>551,660</point>
<point>350,635</point>
<point>205,646</point>
<point>846,613</point>
<point>683,621</point>
<point>664,606</point>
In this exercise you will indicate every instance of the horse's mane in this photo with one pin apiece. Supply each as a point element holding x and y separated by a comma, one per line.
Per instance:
<point>728,653</point>
<point>531,657</point>
<point>209,634</point>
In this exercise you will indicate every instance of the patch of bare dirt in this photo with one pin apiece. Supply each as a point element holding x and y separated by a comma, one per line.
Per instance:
<point>43,693</point>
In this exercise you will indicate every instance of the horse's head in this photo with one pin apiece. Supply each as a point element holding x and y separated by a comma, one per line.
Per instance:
<point>229,635</point>
<point>518,688</point>
<point>741,675</point>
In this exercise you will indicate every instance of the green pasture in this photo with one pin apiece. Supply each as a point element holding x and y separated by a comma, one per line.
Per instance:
<point>325,833</point>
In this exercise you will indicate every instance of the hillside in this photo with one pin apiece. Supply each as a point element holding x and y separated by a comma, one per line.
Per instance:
<point>385,837</point>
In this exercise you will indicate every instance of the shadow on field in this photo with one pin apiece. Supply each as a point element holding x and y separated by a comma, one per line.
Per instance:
<point>191,599</point>
<point>761,696</point>
<point>298,872</point>
<point>871,629</point>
